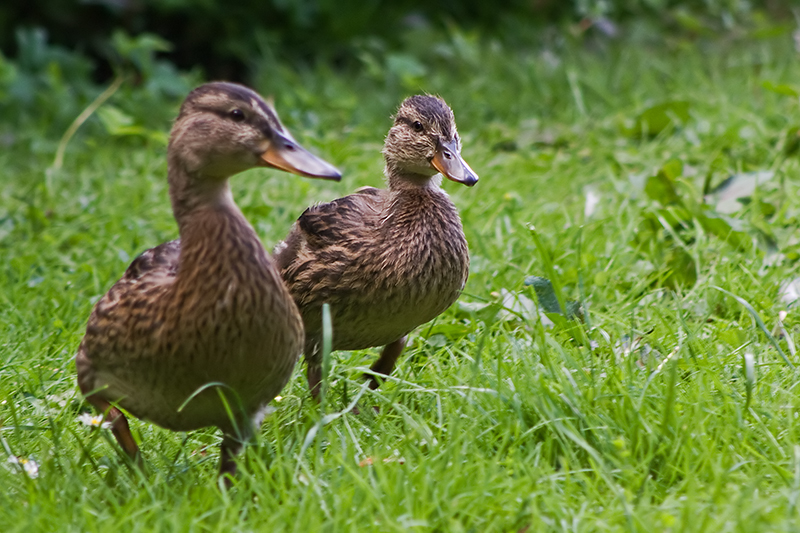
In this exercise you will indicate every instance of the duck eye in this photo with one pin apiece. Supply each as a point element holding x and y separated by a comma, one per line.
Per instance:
<point>237,115</point>
<point>417,126</point>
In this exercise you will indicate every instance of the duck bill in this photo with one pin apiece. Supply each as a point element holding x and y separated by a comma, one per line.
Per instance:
<point>448,161</point>
<point>284,153</point>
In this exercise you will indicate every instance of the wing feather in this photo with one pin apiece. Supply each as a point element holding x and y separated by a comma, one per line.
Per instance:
<point>333,224</point>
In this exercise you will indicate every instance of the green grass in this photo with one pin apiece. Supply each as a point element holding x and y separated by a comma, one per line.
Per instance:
<point>493,422</point>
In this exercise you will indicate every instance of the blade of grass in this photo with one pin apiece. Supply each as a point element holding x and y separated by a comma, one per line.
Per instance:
<point>758,321</point>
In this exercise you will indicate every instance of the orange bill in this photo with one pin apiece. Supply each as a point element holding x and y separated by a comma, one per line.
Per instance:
<point>448,161</point>
<point>284,153</point>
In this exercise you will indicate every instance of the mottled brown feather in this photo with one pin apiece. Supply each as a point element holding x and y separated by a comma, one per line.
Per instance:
<point>385,260</point>
<point>209,308</point>
<point>215,312</point>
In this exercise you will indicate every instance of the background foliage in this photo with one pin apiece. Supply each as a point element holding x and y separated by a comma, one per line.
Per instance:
<point>226,38</point>
<point>641,156</point>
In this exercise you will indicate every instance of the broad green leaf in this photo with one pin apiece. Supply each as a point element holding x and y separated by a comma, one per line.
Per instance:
<point>673,169</point>
<point>661,188</point>
<point>733,337</point>
<point>659,117</point>
<point>406,67</point>
<point>719,226</point>
<point>484,311</point>
<point>114,119</point>
<point>780,88</point>
<point>791,140</point>
<point>689,21</point>
<point>546,295</point>
<point>681,269</point>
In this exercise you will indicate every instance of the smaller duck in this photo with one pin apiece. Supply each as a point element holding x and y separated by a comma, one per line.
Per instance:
<point>202,332</point>
<point>386,261</point>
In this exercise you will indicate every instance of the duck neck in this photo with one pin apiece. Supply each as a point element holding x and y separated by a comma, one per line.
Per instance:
<point>211,226</point>
<point>191,191</point>
<point>400,180</point>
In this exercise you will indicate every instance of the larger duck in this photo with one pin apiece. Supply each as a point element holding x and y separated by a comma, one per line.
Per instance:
<point>389,260</point>
<point>202,332</point>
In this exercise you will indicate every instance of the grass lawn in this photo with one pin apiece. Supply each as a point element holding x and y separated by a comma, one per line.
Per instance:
<point>667,407</point>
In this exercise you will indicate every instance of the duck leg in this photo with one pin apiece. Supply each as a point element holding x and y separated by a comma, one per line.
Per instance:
<point>227,465</point>
<point>234,437</point>
<point>385,363</point>
<point>314,373</point>
<point>119,426</point>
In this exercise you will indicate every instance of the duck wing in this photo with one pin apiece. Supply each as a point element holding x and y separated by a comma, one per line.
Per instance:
<point>123,320</point>
<point>159,261</point>
<point>341,223</point>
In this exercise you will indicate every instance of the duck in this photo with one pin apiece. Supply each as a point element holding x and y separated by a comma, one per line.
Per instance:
<point>384,260</point>
<point>201,331</point>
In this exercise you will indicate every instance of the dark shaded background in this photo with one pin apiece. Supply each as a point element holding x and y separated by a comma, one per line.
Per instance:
<point>221,36</point>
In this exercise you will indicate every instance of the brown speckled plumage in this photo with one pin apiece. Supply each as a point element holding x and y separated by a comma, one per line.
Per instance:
<point>385,260</point>
<point>210,308</point>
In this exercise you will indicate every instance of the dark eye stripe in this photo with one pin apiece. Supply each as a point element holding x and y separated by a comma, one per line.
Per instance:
<point>445,124</point>
<point>404,120</point>
<point>223,113</point>
<point>411,123</point>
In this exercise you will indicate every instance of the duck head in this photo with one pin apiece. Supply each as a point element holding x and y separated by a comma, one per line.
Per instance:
<point>223,129</point>
<point>424,141</point>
